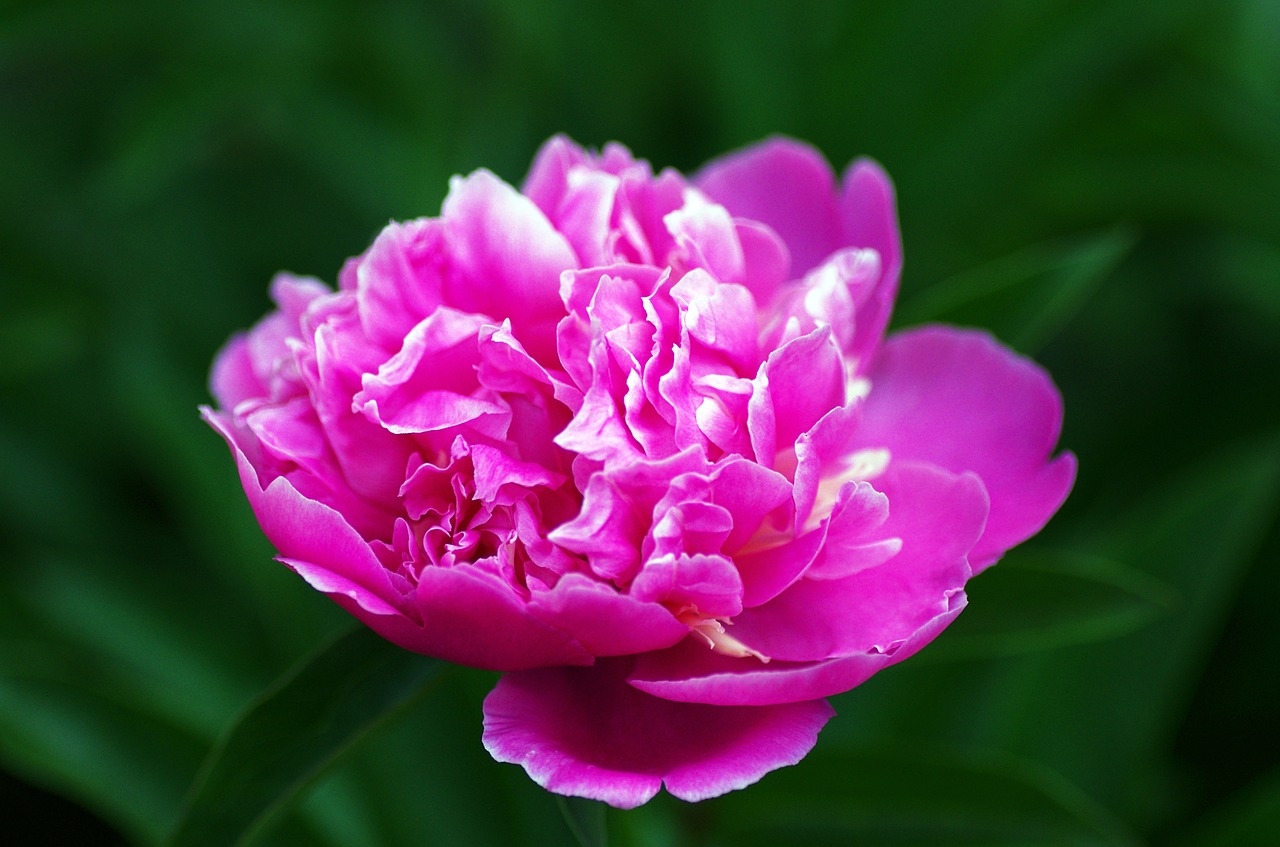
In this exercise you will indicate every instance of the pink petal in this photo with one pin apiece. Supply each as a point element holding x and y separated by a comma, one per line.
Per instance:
<point>607,531</point>
<point>869,216</point>
<point>722,316</point>
<point>431,384</point>
<point>691,673</point>
<point>709,583</point>
<point>706,238</point>
<point>506,259</point>
<point>584,732</point>
<point>753,494</point>
<point>258,364</point>
<point>959,399</point>
<point>501,479</point>
<point>548,176</point>
<point>232,379</point>
<point>786,185</point>
<point>605,621</point>
<point>314,539</point>
<point>399,279</point>
<point>766,259</point>
<point>372,459</point>
<point>805,381</point>
<point>472,617</point>
<point>937,515</point>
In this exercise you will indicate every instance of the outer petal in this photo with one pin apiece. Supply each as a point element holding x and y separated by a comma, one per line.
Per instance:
<point>472,617</point>
<point>584,732</point>
<point>959,399</point>
<point>786,185</point>
<point>315,541</point>
<point>938,516</point>
<point>691,673</point>
<point>459,614</point>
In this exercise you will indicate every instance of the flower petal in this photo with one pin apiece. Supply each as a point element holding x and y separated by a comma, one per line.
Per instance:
<point>313,539</point>
<point>959,399</point>
<point>472,617</point>
<point>506,259</point>
<point>691,673</point>
<point>869,216</point>
<point>875,606</point>
<point>584,732</point>
<point>786,185</point>
<point>605,621</point>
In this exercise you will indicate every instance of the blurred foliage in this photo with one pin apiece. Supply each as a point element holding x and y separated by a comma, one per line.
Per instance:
<point>1098,182</point>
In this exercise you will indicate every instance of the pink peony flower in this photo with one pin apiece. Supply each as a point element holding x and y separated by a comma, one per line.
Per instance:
<point>639,441</point>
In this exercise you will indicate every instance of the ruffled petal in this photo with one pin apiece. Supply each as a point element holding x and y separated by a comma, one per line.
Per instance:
<point>506,259</point>
<point>805,380</point>
<point>472,617</point>
<point>584,732</point>
<point>959,399</point>
<point>605,621</point>
<point>869,218</point>
<point>313,539</point>
<point>399,280</point>
<point>786,185</point>
<point>691,673</point>
<point>877,604</point>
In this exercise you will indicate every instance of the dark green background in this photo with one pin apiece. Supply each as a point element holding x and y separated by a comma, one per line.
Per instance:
<point>1096,182</point>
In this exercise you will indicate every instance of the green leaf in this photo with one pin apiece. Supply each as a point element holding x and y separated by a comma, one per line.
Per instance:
<point>1040,600</point>
<point>1026,298</point>
<point>87,745</point>
<point>1250,817</point>
<point>916,794</point>
<point>295,730</point>
<point>1200,531</point>
<point>585,819</point>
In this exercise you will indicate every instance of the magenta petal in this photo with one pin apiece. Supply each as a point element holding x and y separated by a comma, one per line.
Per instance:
<point>506,258</point>
<point>937,514</point>
<point>471,617</point>
<point>870,219</point>
<point>753,494</point>
<point>959,399</point>
<point>806,381</point>
<point>607,531</point>
<point>398,280</point>
<point>548,176</point>
<point>232,378</point>
<point>786,185</point>
<point>691,673</point>
<point>605,621</point>
<point>706,238</point>
<point>584,732</point>
<point>313,539</point>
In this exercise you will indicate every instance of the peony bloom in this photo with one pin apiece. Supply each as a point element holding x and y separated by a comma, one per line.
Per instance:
<point>639,441</point>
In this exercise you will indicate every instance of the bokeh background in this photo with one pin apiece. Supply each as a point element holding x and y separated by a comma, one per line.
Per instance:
<point>1096,182</point>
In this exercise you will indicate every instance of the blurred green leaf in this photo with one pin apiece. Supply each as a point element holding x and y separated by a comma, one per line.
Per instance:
<point>1200,531</point>
<point>1026,298</point>
<point>338,809</point>
<point>295,730</point>
<point>586,820</point>
<point>1040,600</point>
<point>169,667</point>
<point>1250,818</point>
<point>916,794</point>
<point>90,746</point>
